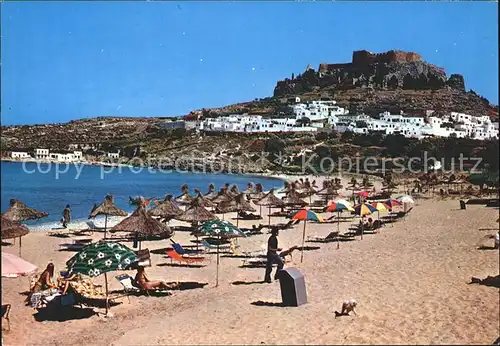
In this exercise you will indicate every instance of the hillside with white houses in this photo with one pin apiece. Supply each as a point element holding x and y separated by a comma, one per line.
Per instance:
<point>319,115</point>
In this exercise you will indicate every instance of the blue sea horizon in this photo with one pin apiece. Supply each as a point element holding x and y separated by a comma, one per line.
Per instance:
<point>40,186</point>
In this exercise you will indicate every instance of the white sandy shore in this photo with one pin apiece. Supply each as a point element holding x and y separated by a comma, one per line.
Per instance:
<point>410,281</point>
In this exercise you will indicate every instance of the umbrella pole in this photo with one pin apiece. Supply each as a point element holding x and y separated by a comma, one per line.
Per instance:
<point>303,240</point>
<point>107,301</point>
<point>260,210</point>
<point>105,225</point>
<point>269,217</point>
<point>19,246</point>
<point>217,273</point>
<point>338,230</point>
<point>362,228</point>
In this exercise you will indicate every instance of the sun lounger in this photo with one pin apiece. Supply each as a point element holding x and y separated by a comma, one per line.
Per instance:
<point>126,281</point>
<point>209,246</point>
<point>5,314</point>
<point>173,255</point>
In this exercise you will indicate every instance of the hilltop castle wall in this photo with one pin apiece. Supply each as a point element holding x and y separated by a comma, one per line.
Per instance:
<point>361,58</point>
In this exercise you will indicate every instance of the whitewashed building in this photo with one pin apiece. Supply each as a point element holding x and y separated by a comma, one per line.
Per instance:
<point>41,154</point>
<point>20,155</point>
<point>113,155</point>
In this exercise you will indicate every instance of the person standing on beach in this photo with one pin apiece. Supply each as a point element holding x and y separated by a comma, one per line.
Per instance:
<point>272,256</point>
<point>66,216</point>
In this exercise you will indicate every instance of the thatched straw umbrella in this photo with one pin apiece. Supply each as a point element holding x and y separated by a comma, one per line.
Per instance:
<point>196,213</point>
<point>270,200</point>
<point>258,194</point>
<point>329,191</point>
<point>204,202</point>
<point>293,199</point>
<point>185,198</point>
<point>11,229</point>
<point>142,224</point>
<point>249,190</point>
<point>106,208</point>
<point>238,204</point>
<point>222,196</point>
<point>235,191</point>
<point>19,212</point>
<point>211,192</point>
<point>166,209</point>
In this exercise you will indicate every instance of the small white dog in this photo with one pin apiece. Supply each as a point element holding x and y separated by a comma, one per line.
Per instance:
<point>347,307</point>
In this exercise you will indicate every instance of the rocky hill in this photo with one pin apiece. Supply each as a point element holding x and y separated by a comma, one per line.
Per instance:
<point>371,83</point>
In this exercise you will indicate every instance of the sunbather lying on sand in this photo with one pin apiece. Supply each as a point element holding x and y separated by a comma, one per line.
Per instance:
<point>143,282</point>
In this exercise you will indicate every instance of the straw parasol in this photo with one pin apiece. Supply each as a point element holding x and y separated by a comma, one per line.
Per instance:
<point>222,196</point>
<point>270,200</point>
<point>141,223</point>
<point>211,192</point>
<point>18,212</point>
<point>11,229</point>
<point>196,213</point>
<point>328,191</point>
<point>238,204</point>
<point>235,191</point>
<point>106,208</point>
<point>166,209</point>
<point>293,199</point>
<point>204,202</point>
<point>249,190</point>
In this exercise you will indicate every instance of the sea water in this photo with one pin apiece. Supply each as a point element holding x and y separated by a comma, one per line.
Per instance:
<point>49,188</point>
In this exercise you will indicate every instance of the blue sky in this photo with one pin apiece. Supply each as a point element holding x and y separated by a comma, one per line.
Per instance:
<point>64,61</point>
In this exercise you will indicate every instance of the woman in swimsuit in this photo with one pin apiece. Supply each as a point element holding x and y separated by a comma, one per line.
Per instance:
<point>143,282</point>
<point>45,280</point>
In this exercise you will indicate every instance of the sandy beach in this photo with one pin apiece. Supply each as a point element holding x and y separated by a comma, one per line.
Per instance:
<point>410,281</point>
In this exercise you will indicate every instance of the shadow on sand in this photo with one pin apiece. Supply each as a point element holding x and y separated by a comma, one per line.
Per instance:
<point>248,282</point>
<point>181,265</point>
<point>4,243</point>
<point>484,247</point>
<point>63,314</point>
<point>262,303</point>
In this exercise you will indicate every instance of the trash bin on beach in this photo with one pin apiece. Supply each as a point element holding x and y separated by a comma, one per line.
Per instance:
<point>462,205</point>
<point>293,287</point>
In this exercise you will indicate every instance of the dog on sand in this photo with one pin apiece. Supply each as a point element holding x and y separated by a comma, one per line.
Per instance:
<point>347,307</point>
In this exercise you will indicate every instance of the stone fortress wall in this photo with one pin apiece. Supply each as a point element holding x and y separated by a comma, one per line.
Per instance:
<point>362,58</point>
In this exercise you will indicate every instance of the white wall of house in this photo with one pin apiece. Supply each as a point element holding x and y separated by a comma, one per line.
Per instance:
<point>41,153</point>
<point>19,155</point>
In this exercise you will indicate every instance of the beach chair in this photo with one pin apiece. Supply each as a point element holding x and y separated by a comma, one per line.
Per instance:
<point>209,246</point>
<point>173,255</point>
<point>5,314</point>
<point>126,281</point>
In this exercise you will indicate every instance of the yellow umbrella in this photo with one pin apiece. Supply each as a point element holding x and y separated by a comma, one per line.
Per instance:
<point>380,206</point>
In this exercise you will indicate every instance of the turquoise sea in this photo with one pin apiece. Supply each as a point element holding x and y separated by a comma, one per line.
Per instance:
<point>48,188</point>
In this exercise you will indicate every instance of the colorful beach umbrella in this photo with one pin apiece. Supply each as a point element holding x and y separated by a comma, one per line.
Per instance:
<point>380,206</point>
<point>305,215</point>
<point>13,266</point>
<point>220,228</point>
<point>338,208</point>
<point>364,209</point>
<point>391,203</point>
<point>100,258</point>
